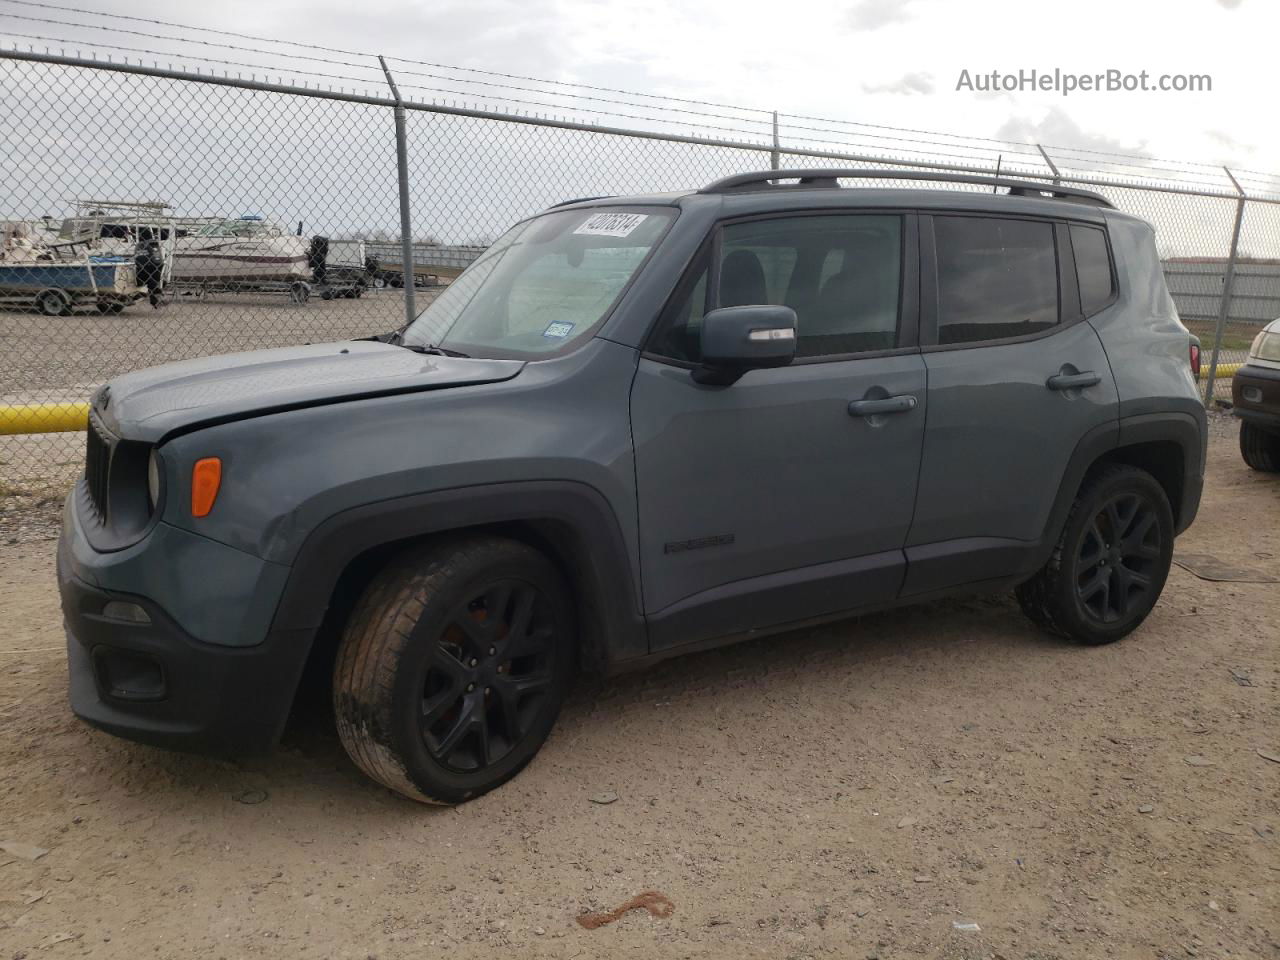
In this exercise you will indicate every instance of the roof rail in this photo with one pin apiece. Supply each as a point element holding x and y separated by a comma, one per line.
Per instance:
<point>830,177</point>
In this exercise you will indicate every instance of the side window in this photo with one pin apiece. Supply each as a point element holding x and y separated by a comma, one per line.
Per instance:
<point>1093,268</point>
<point>841,274</point>
<point>997,278</point>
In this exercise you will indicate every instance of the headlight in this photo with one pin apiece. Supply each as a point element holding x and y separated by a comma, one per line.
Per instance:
<point>153,480</point>
<point>1266,346</point>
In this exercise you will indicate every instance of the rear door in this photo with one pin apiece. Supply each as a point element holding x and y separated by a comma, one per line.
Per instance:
<point>771,500</point>
<point>1017,379</point>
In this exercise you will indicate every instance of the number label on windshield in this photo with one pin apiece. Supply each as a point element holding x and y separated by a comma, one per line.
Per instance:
<point>611,224</point>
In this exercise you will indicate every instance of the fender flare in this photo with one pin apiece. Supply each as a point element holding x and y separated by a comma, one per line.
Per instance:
<point>603,574</point>
<point>1188,429</point>
<point>1177,427</point>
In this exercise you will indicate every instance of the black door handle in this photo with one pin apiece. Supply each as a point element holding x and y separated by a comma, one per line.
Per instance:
<point>1073,381</point>
<point>869,408</point>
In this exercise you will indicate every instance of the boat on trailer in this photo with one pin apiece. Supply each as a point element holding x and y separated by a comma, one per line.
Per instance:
<point>57,281</point>
<point>244,250</point>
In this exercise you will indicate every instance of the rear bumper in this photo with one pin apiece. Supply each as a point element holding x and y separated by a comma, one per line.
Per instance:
<point>1263,386</point>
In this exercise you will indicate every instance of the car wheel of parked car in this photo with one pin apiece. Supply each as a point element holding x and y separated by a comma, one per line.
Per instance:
<point>1260,449</point>
<point>1108,568</point>
<point>453,667</point>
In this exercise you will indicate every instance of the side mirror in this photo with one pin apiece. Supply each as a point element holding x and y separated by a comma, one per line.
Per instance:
<point>738,339</point>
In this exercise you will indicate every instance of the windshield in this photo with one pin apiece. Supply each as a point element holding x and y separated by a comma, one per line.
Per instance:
<point>543,286</point>
<point>244,227</point>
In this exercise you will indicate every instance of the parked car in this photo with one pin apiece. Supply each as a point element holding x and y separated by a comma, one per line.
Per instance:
<point>1255,397</point>
<point>636,427</point>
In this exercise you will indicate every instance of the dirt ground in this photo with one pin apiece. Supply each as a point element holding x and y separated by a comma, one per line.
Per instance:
<point>853,791</point>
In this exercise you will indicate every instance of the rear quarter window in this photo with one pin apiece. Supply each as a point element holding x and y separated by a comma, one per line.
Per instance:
<point>1093,268</point>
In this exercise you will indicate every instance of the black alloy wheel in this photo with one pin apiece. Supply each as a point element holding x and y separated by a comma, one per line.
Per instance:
<point>1117,558</point>
<point>487,675</point>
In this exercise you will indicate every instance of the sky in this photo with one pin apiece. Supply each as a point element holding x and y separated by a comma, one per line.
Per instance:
<point>895,63</point>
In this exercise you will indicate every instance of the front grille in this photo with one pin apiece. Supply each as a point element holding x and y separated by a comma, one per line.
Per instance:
<point>97,465</point>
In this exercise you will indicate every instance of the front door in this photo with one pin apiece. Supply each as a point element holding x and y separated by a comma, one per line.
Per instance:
<point>773,500</point>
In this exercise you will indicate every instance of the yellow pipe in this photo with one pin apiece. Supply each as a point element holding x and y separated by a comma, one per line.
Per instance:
<point>43,417</point>
<point>1224,370</point>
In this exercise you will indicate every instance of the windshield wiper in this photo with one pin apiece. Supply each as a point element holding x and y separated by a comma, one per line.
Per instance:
<point>431,349</point>
<point>396,339</point>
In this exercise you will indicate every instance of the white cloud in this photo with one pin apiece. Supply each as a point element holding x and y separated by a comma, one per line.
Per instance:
<point>874,14</point>
<point>1058,128</point>
<point>908,83</point>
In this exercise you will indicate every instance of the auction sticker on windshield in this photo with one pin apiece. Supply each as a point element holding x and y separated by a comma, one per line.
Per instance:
<point>558,330</point>
<point>611,224</point>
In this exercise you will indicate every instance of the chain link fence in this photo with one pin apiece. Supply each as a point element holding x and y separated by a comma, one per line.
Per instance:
<point>151,215</point>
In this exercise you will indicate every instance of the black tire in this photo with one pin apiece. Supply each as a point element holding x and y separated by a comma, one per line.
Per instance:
<point>433,696</point>
<point>1097,587</point>
<point>53,303</point>
<point>1259,448</point>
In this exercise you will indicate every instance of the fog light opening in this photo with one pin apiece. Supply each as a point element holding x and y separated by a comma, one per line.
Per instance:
<point>126,675</point>
<point>126,611</point>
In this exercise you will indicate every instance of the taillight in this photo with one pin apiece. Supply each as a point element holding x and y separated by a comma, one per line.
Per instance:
<point>206,477</point>
<point>1195,360</point>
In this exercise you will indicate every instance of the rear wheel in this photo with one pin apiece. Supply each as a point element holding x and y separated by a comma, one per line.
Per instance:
<point>1259,448</point>
<point>453,667</point>
<point>1110,565</point>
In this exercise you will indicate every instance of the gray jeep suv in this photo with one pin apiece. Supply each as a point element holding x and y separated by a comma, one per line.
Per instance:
<point>635,427</point>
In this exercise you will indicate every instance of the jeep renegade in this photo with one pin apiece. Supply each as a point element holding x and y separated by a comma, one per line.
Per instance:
<point>636,427</point>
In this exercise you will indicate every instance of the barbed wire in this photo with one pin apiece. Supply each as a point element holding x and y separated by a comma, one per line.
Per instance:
<point>359,53</point>
<point>844,133</point>
<point>753,136</point>
<point>406,86</point>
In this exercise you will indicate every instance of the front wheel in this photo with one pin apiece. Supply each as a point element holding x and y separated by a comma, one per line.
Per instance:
<point>1259,448</point>
<point>453,667</point>
<point>1110,564</point>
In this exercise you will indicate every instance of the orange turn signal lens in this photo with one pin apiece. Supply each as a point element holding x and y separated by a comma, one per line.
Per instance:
<point>206,477</point>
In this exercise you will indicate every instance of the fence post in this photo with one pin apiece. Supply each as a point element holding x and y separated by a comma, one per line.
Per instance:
<point>402,171</point>
<point>1057,177</point>
<point>1228,282</point>
<point>775,158</point>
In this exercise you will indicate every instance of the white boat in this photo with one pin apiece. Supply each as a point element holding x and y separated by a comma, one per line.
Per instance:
<point>248,249</point>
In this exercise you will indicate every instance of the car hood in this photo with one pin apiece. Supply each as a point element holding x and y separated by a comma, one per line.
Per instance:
<point>153,403</point>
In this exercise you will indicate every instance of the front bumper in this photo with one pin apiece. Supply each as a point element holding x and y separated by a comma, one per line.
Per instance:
<point>1263,384</point>
<point>154,681</point>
